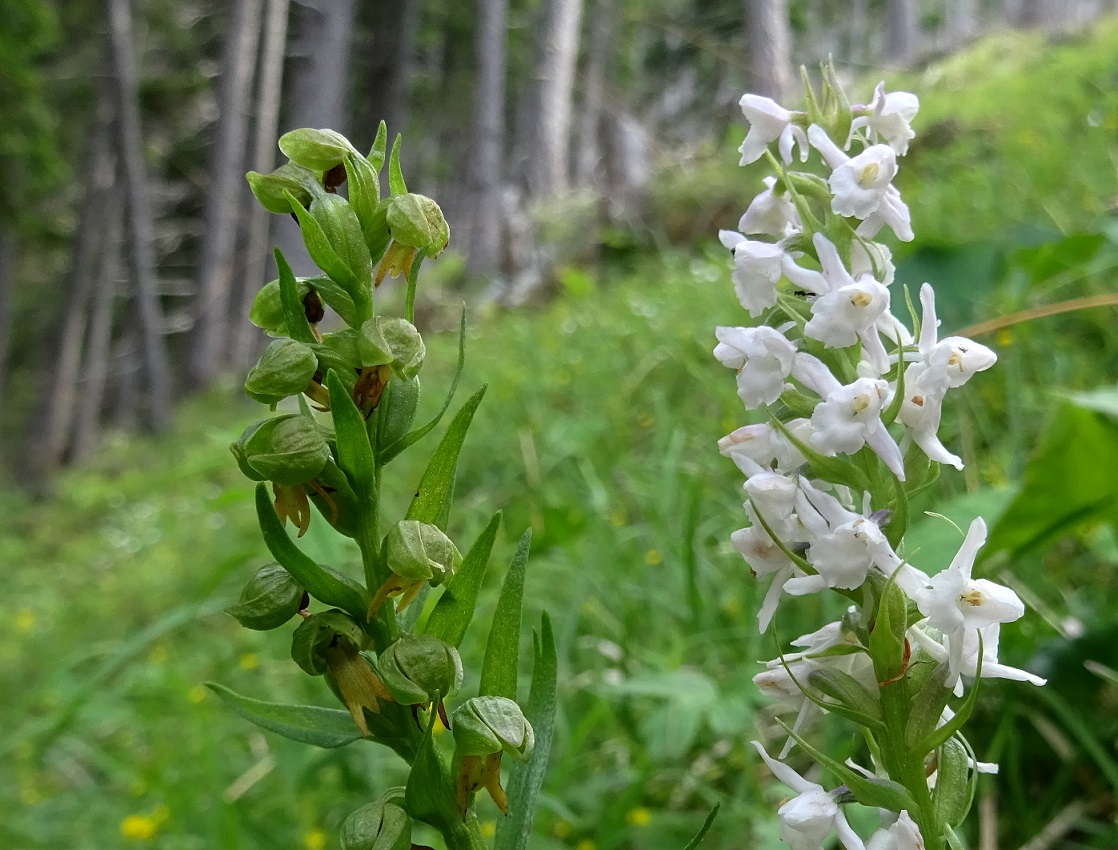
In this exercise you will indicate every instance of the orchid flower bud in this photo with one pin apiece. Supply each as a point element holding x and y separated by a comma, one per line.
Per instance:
<point>420,669</point>
<point>284,369</point>
<point>270,599</point>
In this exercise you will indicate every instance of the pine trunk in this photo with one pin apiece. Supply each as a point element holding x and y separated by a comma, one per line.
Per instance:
<point>901,31</point>
<point>8,254</point>
<point>770,46</point>
<point>588,144</point>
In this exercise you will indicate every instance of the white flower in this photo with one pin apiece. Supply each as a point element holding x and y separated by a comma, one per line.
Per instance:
<point>762,357</point>
<point>770,214</point>
<point>862,187</point>
<point>872,258</point>
<point>890,117</point>
<point>902,835</point>
<point>756,271</point>
<point>808,818</point>
<point>772,494</point>
<point>967,664</point>
<point>849,417</point>
<point>750,447</point>
<point>768,122</point>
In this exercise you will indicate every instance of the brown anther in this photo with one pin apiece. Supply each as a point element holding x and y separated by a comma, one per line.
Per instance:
<point>334,178</point>
<point>312,306</point>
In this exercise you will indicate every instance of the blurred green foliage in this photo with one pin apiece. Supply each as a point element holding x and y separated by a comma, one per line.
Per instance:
<point>599,432</point>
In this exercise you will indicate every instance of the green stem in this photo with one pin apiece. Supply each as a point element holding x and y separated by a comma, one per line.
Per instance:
<point>464,835</point>
<point>905,766</point>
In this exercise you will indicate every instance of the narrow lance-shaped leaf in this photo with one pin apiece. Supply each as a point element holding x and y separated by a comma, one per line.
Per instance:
<point>355,454</point>
<point>451,615</point>
<point>525,780</point>
<point>307,724</point>
<point>380,144</point>
<point>707,824</point>
<point>502,652</point>
<point>396,183</point>
<point>438,479</point>
<point>294,314</point>
<point>329,587</point>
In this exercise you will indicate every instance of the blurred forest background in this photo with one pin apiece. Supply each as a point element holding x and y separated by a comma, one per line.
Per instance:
<point>584,154</point>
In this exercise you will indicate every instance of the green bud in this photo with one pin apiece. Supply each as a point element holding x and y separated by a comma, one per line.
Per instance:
<point>810,185</point>
<point>284,369</point>
<point>270,599</point>
<point>269,189</point>
<point>398,406</point>
<point>416,221</point>
<point>390,340</point>
<point>888,645</point>
<point>338,351</point>
<point>318,633</point>
<point>377,826</point>
<point>240,450</point>
<point>488,724</point>
<point>318,150</point>
<point>267,307</point>
<point>287,450</point>
<point>419,669</point>
<point>420,551</point>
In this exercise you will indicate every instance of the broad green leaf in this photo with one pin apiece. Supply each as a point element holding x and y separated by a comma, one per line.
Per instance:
<point>502,652</point>
<point>433,494</point>
<point>355,455</point>
<point>525,780</point>
<point>329,587</point>
<point>451,615</point>
<point>426,428</point>
<point>396,183</point>
<point>308,724</point>
<point>707,824</point>
<point>294,314</point>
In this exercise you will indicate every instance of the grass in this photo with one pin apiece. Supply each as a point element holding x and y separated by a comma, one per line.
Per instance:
<point>598,431</point>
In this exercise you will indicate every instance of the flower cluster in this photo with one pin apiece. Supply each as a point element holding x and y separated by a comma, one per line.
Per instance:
<point>854,398</point>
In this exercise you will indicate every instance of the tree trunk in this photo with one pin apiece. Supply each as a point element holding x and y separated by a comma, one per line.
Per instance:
<point>96,374</point>
<point>141,225</point>
<point>770,48</point>
<point>8,254</point>
<point>394,28</point>
<point>245,334</point>
<point>319,84</point>
<point>225,204</point>
<point>549,122</point>
<point>901,30</point>
<point>486,215</point>
<point>858,48</point>
<point>588,144</point>
<point>962,21</point>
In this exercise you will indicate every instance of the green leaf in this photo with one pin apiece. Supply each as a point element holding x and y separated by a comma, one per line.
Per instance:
<point>525,780</point>
<point>396,183</point>
<point>927,704</point>
<point>952,726</point>
<point>437,484</point>
<point>380,144</point>
<point>707,824</point>
<point>887,639</point>
<point>335,296</point>
<point>343,232</point>
<point>502,652</point>
<point>328,587</point>
<point>355,454</point>
<point>427,797</point>
<point>307,724</point>
<point>294,314</point>
<point>847,690</point>
<point>951,796</point>
<point>427,427</point>
<point>364,194</point>
<point>451,615</point>
<point>329,260</point>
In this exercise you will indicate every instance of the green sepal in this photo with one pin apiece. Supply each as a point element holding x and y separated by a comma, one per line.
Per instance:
<point>355,454</point>
<point>829,468</point>
<point>377,826</point>
<point>427,427</point>
<point>847,691</point>
<point>502,651</point>
<point>418,222</point>
<point>391,341</point>
<point>952,795</point>
<point>241,454</point>
<point>271,190</point>
<point>396,183</point>
<point>421,551</point>
<point>928,695</point>
<point>397,407</point>
<point>284,369</point>
<point>489,724</point>
<point>437,484</point>
<point>887,638</point>
<point>319,632</point>
<point>380,145</point>
<point>877,792</point>
<point>318,150</point>
<point>294,314</point>
<point>270,599</point>
<point>452,613</point>
<point>267,311</point>
<point>329,728</point>
<point>420,669</point>
<point>525,781</point>
<point>809,185</point>
<point>330,588</point>
<point>287,450</point>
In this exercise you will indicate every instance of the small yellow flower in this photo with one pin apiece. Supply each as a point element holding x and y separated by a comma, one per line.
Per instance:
<point>653,558</point>
<point>561,830</point>
<point>315,839</point>
<point>158,654</point>
<point>197,694</point>
<point>1005,338</point>
<point>617,518</point>
<point>25,620</point>
<point>586,844</point>
<point>249,661</point>
<point>646,420</point>
<point>138,827</point>
<point>639,816</point>
<point>732,607</point>
<point>488,828</point>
